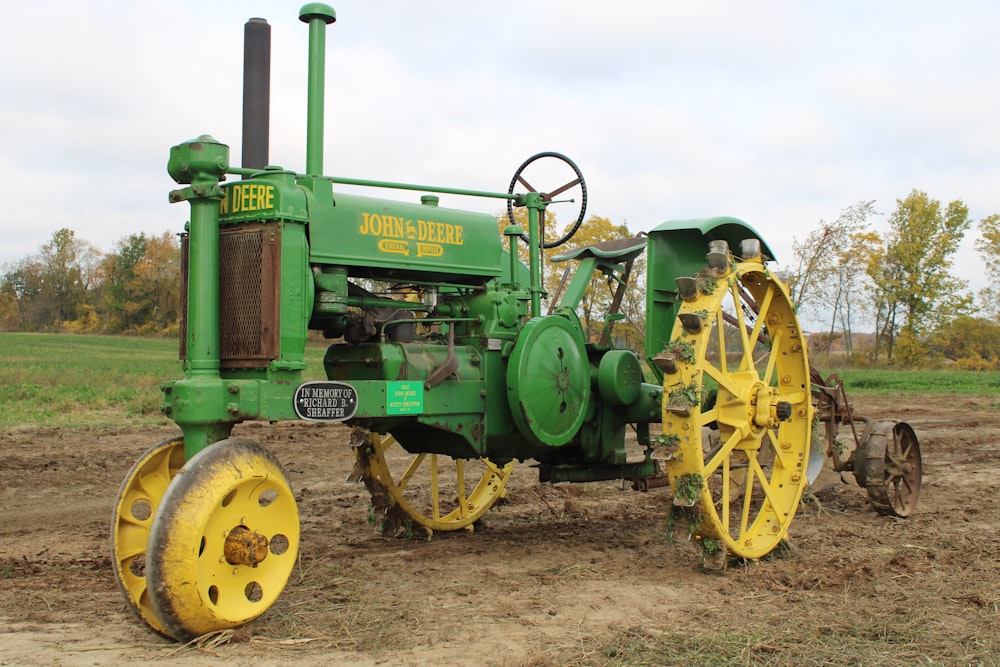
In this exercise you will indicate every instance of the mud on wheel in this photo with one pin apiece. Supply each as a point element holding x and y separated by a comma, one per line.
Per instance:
<point>736,405</point>
<point>223,541</point>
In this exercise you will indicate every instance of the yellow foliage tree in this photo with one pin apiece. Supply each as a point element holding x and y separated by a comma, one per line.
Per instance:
<point>915,289</point>
<point>597,300</point>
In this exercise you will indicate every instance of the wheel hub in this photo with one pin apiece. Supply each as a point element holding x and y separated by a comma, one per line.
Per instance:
<point>245,547</point>
<point>562,380</point>
<point>760,406</point>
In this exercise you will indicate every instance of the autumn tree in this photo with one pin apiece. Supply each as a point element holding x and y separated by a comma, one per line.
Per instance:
<point>914,288</point>
<point>972,342</point>
<point>988,247</point>
<point>20,296</point>
<point>159,272</point>
<point>50,289</point>
<point>597,299</point>
<point>119,274</point>
<point>68,285</point>
<point>848,298</point>
<point>818,255</point>
<point>829,272</point>
<point>69,272</point>
<point>142,283</point>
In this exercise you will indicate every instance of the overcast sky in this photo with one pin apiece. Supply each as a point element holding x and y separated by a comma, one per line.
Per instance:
<point>780,113</point>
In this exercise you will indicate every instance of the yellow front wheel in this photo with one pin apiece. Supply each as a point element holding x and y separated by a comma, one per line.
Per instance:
<point>132,519</point>
<point>736,405</point>
<point>224,540</point>
<point>430,490</point>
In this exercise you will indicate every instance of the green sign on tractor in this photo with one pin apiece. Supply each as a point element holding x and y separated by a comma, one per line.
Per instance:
<point>441,357</point>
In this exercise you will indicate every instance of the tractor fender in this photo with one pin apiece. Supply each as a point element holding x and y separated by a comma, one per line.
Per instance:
<point>678,248</point>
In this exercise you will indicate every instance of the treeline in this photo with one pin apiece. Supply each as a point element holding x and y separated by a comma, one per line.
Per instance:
<point>70,285</point>
<point>900,281</point>
<point>897,284</point>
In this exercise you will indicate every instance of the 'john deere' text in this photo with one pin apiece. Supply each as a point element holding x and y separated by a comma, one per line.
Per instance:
<point>427,231</point>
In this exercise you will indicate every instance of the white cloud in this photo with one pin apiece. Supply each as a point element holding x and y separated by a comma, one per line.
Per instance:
<point>777,112</point>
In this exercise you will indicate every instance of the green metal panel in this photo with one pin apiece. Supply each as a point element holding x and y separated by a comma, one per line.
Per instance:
<point>729,229</point>
<point>548,380</point>
<point>400,240</point>
<point>270,195</point>
<point>296,294</point>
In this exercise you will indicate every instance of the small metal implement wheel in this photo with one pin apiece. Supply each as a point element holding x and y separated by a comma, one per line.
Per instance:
<point>132,518</point>
<point>430,490</point>
<point>521,179</point>
<point>224,540</point>
<point>737,364</point>
<point>893,468</point>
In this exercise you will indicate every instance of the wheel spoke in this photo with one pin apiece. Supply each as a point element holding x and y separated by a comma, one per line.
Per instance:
<point>383,444</point>
<point>414,465</point>
<point>526,184</point>
<point>559,191</point>
<point>747,498</point>
<point>741,326</point>
<point>435,495</point>
<point>723,454</point>
<point>720,332</point>
<point>128,549</point>
<point>729,382</point>
<point>725,495</point>
<point>779,459</point>
<point>709,416</point>
<point>765,304</point>
<point>151,486</point>
<point>492,467</point>
<point>460,475</point>
<point>772,360</point>
<point>765,483</point>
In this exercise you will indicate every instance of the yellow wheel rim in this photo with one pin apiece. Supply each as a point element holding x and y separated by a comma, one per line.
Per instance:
<point>738,333</point>
<point>431,490</point>
<point>137,501</point>
<point>224,540</point>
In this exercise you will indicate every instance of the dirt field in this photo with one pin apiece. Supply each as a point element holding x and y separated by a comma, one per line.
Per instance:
<point>560,575</point>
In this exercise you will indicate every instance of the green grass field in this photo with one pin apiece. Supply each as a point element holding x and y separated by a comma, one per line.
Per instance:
<point>883,382</point>
<point>67,380</point>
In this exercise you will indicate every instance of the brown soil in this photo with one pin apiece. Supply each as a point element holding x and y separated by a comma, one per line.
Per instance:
<point>559,575</point>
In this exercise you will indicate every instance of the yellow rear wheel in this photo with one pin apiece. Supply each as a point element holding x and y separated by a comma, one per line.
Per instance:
<point>138,499</point>
<point>430,490</point>
<point>223,541</point>
<point>737,407</point>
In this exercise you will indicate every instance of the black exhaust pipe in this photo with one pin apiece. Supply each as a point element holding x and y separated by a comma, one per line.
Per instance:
<point>256,93</point>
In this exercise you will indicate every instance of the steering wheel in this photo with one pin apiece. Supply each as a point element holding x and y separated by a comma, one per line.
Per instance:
<point>549,196</point>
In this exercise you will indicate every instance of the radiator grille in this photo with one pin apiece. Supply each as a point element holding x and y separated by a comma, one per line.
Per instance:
<point>249,280</point>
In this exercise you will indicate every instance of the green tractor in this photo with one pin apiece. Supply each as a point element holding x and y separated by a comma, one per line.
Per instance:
<point>445,369</point>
